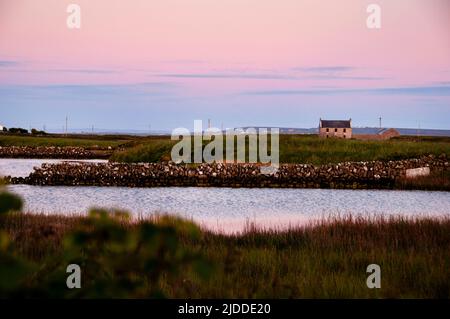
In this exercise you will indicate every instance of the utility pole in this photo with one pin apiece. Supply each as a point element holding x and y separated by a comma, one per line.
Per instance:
<point>66,123</point>
<point>380,121</point>
<point>209,123</point>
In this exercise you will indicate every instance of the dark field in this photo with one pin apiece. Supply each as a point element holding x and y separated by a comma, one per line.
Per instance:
<point>175,259</point>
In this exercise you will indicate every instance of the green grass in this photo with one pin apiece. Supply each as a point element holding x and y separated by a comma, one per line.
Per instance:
<point>323,260</point>
<point>59,140</point>
<point>309,149</point>
<point>314,150</point>
<point>152,150</point>
<point>293,148</point>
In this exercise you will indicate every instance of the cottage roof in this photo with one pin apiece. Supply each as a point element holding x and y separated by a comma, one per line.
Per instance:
<point>335,124</point>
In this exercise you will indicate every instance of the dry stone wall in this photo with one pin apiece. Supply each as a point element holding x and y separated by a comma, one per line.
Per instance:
<point>373,174</point>
<point>55,152</point>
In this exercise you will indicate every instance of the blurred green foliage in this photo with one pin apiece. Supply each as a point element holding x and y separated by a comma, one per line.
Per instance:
<point>9,202</point>
<point>12,268</point>
<point>117,259</point>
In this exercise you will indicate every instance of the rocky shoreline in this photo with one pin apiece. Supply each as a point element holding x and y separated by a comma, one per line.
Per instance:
<point>354,175</point>
<point>53,152</point>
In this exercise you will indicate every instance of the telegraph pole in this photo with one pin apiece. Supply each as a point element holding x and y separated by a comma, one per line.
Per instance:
<point>66,123</point>
<point>380,121</point>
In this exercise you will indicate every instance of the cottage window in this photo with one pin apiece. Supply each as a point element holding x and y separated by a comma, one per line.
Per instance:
<point>335,129</point>
<point>345,130</point>
<point>328,130</point>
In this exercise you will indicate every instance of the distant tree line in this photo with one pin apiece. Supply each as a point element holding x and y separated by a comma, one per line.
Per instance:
<point>37,132</point>
<point>19,130</point>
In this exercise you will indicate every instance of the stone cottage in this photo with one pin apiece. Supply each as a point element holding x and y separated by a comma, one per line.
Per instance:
<point>335,128</point>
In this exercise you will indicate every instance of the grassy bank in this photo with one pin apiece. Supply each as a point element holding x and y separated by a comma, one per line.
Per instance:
<point>314,150</point>
<point>436,181</point>
<point>147,150</point>
<point>323,260</point>
<point>87,141</point>
<point>308,150</point>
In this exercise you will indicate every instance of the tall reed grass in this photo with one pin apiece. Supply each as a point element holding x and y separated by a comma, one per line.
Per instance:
<point>325,259</point>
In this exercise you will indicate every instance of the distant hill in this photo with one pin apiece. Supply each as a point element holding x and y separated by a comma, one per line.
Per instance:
<point>370,130</point>
<point>403,131</point>
<point>283,130</point>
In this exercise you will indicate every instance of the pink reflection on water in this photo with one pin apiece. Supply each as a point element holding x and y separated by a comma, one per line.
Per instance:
<point>236,226</point>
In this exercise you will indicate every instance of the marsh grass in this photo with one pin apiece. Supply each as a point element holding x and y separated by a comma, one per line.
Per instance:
<point>62,141</point>
<point>151,151</point>
<point>306,149</point>
<point>315,150</point>
<point>325,259</point>
<point>439,181</point>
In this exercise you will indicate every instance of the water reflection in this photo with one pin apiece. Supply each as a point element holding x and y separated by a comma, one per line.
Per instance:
<point>228,209</point>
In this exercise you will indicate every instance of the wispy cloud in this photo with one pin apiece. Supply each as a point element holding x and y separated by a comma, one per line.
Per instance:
<point>443,83</point>
<point>85,71</point>
<point>256,76</point>
<point>423,90</point>
<point>312,73</point>
<point>8,63</point>
<point>336,72</point>
<point>184,61</point>
<point>325,69</point>
<point>5,63</point>
<point>420,90</point>
<point>344,77</point>
<point>87,91</point>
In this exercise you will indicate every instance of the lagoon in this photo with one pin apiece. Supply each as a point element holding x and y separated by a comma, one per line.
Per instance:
<point>224,209</point>
<point>232,209</point>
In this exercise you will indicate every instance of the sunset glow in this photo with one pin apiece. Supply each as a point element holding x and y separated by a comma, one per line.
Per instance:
<point>238,62</point>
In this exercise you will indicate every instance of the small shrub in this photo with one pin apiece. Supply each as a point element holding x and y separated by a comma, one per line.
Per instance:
<point>118,259</point>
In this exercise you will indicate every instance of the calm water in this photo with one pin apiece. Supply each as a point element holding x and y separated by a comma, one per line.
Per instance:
<point>229,210</point>
<point>23,167</point>
<point>224,209</point>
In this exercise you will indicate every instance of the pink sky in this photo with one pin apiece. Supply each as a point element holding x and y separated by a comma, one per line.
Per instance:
<point>214,49</point>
